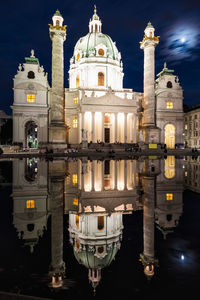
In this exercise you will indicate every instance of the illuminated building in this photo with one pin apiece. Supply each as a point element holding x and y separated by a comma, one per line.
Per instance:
<point>95,107</point>
<point>192,127</point>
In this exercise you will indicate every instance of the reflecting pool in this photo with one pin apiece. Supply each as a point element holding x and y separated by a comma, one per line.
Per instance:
<point>104,228</point>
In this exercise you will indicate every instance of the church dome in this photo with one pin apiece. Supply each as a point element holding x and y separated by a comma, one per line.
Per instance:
<point>96,44</point>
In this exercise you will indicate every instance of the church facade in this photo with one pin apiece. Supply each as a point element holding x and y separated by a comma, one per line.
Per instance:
<point>96,107</point>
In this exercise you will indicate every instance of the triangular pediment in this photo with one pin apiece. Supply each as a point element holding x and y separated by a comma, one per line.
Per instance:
<point>107,100</point>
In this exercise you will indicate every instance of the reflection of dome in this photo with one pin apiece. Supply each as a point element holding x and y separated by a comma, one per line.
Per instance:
<point>90,259</point>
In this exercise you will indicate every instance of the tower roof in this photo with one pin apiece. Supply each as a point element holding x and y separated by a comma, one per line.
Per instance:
<point>165,71</point>
<point>57,13</point>
<point>32,59</point>
<point>149,25</point>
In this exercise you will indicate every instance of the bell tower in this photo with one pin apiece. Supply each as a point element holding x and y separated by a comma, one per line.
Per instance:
<point>150,132</point>
<point>57,130</point>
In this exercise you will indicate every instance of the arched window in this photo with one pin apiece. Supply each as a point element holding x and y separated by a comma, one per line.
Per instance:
<point>77,221</point>
<point>77,81</point>
<point>100,224</point>
<point>30,204</point>
<point>169,84</point>
<point>31,75</point>
<point>101,79</point>
<point>57,23</point>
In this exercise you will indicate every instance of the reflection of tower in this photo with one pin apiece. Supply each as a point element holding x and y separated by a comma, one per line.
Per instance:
<point>96,240</point>
<point>57,268</point>
<point>30,202</point>
<point>150,171</point>
<point>58,36</point>
<point>148,44</point>
<point>169,190</point>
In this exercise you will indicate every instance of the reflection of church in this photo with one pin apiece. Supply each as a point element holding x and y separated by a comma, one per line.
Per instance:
<point>95,107</point>
<point>95,195</point>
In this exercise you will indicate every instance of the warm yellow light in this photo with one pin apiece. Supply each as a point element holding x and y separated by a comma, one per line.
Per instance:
<point>101,79</point>
<point>30,204</point>
<point>169,105</point>
<point>77,81</point>
<point>77,220</point>
<point>75,99</point>
<point>75,122</point>
<point>101,52</point>
<point>78,57</point>
<point>169,197</point>
<point>75,201</point>
<point>30,98</point>
<point>74,179</point>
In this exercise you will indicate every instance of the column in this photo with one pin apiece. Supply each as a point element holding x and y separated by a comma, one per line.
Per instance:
<point>102,169</point>
<point>116,129</point>
<point>93,127</point>
<point>115,187</point>
<point>125,127</point>
<point>102,115</point>
<point>125,175</point>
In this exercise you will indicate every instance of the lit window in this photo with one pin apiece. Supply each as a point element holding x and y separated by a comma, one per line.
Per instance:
<point>30,98</point>
<point>75,201</point>
<point>30,204</point>
<point>169,197</point>
<point>77,81</point>
<point>57,23</point>
<point>185,126</point>
<point>100,79</point>
<point>78,57</point>
<point>74,179</point>
<point>100,223</point>
<point>169,105</point>
<point>75,99</point>
<point>77,220</point>
<point>186,173</point>
<point>75,122</point>
<point>101,52</point>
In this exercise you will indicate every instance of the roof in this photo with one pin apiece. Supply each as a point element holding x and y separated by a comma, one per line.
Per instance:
<point>92,40</point>
<point>165,71</point>
<point>57,13</point>
<point>32,60</point>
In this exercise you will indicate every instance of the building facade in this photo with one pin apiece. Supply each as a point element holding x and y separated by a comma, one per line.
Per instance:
<point>96,107</point>
<point>192,127</point>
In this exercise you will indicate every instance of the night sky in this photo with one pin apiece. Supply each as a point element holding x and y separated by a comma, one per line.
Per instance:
<point>24,26</point>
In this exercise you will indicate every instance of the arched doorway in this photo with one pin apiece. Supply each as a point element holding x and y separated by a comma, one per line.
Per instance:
<point>31,131</point>
<point>170,136</point>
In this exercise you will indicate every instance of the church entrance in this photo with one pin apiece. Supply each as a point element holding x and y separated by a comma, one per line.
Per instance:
<point>170,136</point>
<point>107,135</point>
<point>31,131</point>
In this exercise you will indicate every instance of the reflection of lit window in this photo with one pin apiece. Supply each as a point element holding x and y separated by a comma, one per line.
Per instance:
<point>169,105</point>
<point>170,167</point>
<point>75,122</point>
<point>169,197</point>
<point>77,244</point>
<point>30,98</point>
<point>75,201</point>
<point>74,179</point>
<point>186,173</point>
<point>77,220</point>
<point>30,204</point>
<point>75,99</point>
<point>185,126</point>
<point>100,223</point>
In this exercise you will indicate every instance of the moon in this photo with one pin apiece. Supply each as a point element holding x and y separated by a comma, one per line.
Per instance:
<point>183,39</point>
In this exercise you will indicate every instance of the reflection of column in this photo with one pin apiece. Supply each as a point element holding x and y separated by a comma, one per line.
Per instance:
<point>125,174</point>
<point>82,120</point>
<point>57,268</point>
<point>102,116</point>
<point>93,128</point>
<point>115,187</point>
<point>93,174</point>
<point>147,257</point>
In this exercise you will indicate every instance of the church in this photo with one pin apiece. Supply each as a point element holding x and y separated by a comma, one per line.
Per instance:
<point>96,107</point>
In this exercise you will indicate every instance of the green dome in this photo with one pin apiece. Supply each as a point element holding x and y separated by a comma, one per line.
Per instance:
<point>87,45</point>
<point>90,261</point>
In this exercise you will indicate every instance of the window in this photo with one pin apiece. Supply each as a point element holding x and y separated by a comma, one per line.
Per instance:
<point>169,84</point>
<point>75,99</point>
<point>101,52</point>
<point>74,179</point>
<point>100,223</point>
<point>75,201</point>
<point>169,197</point>
<point>30,98</point>
<point>77,221</point>
<point>31,75</point>
<point>169,105</point>
<point>75,122</point>
<point>185,126</point>
<point>100,79</point>
<point>78,57</point>
<point>77,81</point>
<point>57,23</point>
<point>30,204</point>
